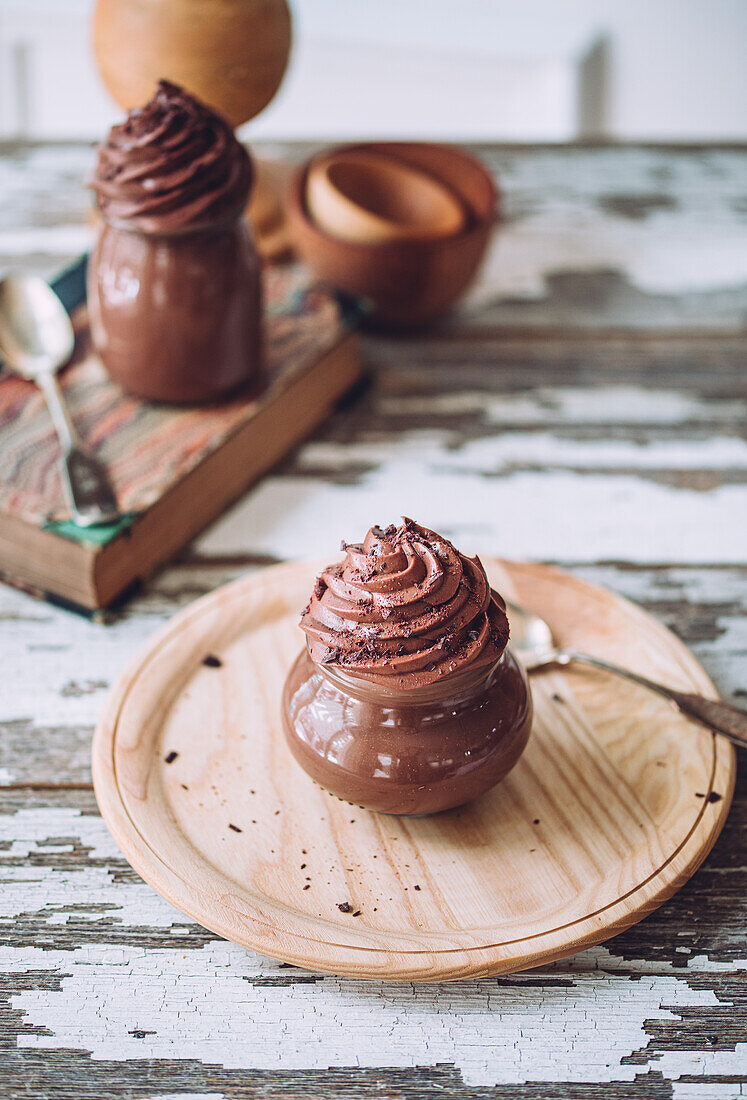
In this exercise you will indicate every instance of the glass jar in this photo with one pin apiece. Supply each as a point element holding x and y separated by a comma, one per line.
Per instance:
<point>177,316</point>
<point>407,752</point>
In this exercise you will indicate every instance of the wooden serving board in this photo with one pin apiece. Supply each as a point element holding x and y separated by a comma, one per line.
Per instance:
<point>614,804</point>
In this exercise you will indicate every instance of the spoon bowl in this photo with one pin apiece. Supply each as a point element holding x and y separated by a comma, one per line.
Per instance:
<point>530,634</point>
<point>35,329</point>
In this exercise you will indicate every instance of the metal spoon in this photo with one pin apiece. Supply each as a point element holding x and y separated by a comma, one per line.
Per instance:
<point>36,339</point>
<point>532,642</point>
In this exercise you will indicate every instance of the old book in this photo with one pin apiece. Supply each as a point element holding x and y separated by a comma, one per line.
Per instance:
<point>174,469</point>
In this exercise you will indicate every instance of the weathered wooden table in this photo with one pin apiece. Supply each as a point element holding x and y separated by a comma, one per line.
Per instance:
<point>587,407</point>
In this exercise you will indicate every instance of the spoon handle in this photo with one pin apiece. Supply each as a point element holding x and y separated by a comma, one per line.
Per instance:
<point>730,722</point>
<point>84,479</point>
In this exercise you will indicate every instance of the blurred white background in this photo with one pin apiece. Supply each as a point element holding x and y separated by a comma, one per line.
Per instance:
<point>524,70</point>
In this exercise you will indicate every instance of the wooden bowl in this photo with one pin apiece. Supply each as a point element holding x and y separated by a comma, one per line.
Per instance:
<point>407,282</point>
<point>368,198</point>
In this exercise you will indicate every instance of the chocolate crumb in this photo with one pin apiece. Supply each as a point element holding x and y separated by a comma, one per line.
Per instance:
<point>357,913</point>
<point>536,821</point>
<point>304,852</point>
<point>235,828</point>
<point>714,796</point>
<point>277,812</point>
<point>344,906</point>
<point>185,787</point>
<point>699,794</point>
<point>307,886</point>
<point>211,661</point>
<point>416,887</point>
<point>303,866</point>
<point>557,698</point>
<point>171,757</point>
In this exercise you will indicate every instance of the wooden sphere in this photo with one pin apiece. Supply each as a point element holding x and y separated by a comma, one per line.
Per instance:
<point>231,54</point>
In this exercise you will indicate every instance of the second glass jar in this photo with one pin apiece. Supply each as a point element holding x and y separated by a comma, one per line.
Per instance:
<point>177,316</point>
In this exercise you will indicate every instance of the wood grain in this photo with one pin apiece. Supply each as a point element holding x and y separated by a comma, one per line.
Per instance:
<point>614,804</point>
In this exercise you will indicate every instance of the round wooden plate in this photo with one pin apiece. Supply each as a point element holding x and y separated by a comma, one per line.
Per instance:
<point>615,803</point>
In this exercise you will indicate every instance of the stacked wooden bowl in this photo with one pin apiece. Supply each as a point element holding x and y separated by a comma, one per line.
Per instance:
<point>403,225</point>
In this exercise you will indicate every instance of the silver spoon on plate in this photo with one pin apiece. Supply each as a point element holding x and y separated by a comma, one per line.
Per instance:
<point>36,340</point>
<point>534,645</point>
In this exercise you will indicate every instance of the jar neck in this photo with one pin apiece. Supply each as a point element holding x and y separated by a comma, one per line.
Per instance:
<point>469,682</point>
<point>216,225</point>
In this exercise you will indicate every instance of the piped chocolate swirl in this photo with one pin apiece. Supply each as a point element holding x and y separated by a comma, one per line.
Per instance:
<point>172,164</point>
<point>404,609</point>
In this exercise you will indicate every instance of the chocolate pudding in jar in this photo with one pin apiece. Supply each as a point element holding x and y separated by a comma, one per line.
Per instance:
<point>406,698</point>
<point>174,291</point>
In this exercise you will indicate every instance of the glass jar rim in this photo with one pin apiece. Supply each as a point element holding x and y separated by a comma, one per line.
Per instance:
<point>451,686</point>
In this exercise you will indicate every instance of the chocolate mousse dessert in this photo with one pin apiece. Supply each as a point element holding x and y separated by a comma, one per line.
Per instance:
<point>174,281</point>
<point>406,698</point>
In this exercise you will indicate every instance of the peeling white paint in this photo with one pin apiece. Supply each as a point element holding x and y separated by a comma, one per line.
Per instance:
<point>556,223</point>
<point>556,405</point>
<point>202,1004</point>
<point>716,1063</point>
<point>54,894</point>
<point>660,255</point>
<point>709,1091</point>
<point>548,515</point>
<point>187,1096</point>
<point>494,454</point>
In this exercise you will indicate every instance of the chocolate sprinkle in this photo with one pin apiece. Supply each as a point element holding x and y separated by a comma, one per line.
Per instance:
<point>235,828</point>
